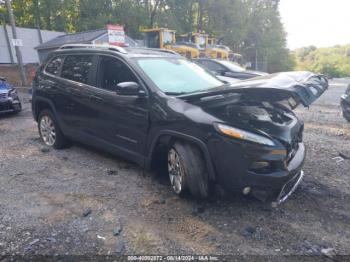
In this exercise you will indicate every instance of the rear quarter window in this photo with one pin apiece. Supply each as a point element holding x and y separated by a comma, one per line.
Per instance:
<point>54,65</point>
<point>77,68</point>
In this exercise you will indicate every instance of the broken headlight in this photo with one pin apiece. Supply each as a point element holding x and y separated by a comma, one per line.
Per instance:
<point>243,135</point>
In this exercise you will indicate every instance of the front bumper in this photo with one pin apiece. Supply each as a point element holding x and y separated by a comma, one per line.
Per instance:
<point>345,105</point>
<point>233,161</point>
<point>10,105</point>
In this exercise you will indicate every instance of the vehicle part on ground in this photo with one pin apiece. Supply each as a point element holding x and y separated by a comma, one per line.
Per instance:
<point>288,189</point>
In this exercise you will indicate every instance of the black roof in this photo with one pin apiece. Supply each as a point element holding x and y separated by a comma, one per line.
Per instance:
<point>81,38</point>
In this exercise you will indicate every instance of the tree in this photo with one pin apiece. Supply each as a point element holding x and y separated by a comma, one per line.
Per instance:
<point>250,27</point>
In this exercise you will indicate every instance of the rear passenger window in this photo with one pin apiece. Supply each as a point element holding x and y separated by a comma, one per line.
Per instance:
<point>77,68</point>
<point>54,65</point>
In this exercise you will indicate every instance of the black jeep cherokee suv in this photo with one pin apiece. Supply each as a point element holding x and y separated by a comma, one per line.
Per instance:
<point>157,108</point>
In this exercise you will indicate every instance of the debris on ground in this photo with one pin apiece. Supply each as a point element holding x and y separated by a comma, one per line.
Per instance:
<point>111,172</point>
<point>34,242</point>
<point>101,237</point>
<point>328,252</point>
<point>338,159</point>
<point>118,228</point>
<point>45,150</point>
<point>249,231</point>
<point>87,212</point>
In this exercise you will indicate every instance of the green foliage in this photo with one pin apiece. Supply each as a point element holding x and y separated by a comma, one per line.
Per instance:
<point>250,27</point>
<point>332,61</point>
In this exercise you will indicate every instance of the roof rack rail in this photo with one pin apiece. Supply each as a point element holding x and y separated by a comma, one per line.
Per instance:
<point>165,51</point>
<point>110,47</point>
<point>156,49</point>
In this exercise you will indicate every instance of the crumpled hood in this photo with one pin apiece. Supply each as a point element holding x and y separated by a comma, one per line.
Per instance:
<point>294,87</point>
<point>263,105</point>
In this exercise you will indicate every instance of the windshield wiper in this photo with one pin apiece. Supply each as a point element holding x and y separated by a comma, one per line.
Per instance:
<point>175,93</point>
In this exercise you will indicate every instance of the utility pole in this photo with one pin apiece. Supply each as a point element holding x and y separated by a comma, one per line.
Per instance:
<point>7,39</point>
<point>37,20</point>
<point>14,36</point>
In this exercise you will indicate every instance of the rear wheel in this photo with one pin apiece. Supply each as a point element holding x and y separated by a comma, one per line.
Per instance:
<point>187,170</point>
<point>49,131</point>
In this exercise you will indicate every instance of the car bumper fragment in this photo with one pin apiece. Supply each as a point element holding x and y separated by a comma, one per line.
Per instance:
<point>288,189</point>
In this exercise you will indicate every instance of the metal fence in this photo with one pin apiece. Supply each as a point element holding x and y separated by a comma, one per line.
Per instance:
<point>29,38</point>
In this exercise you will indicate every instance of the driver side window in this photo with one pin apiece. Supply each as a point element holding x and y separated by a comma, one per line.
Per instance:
<point>213,66</point>
<point>113,72</point>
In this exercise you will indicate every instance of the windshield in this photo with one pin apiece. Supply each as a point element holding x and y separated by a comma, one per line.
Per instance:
<point>177,75</point>
<point>232,66</point>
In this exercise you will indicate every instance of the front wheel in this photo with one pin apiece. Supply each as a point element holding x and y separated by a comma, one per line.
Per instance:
<point>187,170</point>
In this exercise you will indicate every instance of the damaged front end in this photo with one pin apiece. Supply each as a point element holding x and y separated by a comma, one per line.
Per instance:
<point>257,147</point>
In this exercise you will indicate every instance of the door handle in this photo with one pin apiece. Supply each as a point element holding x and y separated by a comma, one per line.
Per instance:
<point>96,99</point>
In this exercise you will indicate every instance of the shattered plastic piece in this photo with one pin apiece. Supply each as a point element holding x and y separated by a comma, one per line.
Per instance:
<point>328,252</point>
<point>34,242</point>
<point>338,159</point>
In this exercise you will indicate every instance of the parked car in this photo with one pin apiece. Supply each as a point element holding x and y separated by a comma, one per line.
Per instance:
<point>227,68</point>
<point>161,110</point>
<point>9,100</point>
<point>345,104</point>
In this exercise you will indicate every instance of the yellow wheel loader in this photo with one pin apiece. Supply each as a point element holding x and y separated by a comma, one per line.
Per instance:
<point>164,38</point>
<point>207,46</point>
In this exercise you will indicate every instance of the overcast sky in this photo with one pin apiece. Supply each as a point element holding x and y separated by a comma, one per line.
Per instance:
<point>316,22</point>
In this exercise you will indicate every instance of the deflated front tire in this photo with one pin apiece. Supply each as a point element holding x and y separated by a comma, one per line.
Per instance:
<point>187,170</point>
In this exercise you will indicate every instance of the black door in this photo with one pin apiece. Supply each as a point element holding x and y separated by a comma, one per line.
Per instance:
<point>122,120</point>
<point>75,80</point>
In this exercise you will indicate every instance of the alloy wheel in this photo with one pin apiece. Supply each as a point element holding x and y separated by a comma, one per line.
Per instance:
<point>47,130</point>
<point>176,171</point>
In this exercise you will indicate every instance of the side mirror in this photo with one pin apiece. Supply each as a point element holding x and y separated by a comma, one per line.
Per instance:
<point>129,89</point>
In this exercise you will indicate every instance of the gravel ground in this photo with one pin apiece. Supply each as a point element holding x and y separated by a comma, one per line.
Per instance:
<point>81,201</point>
